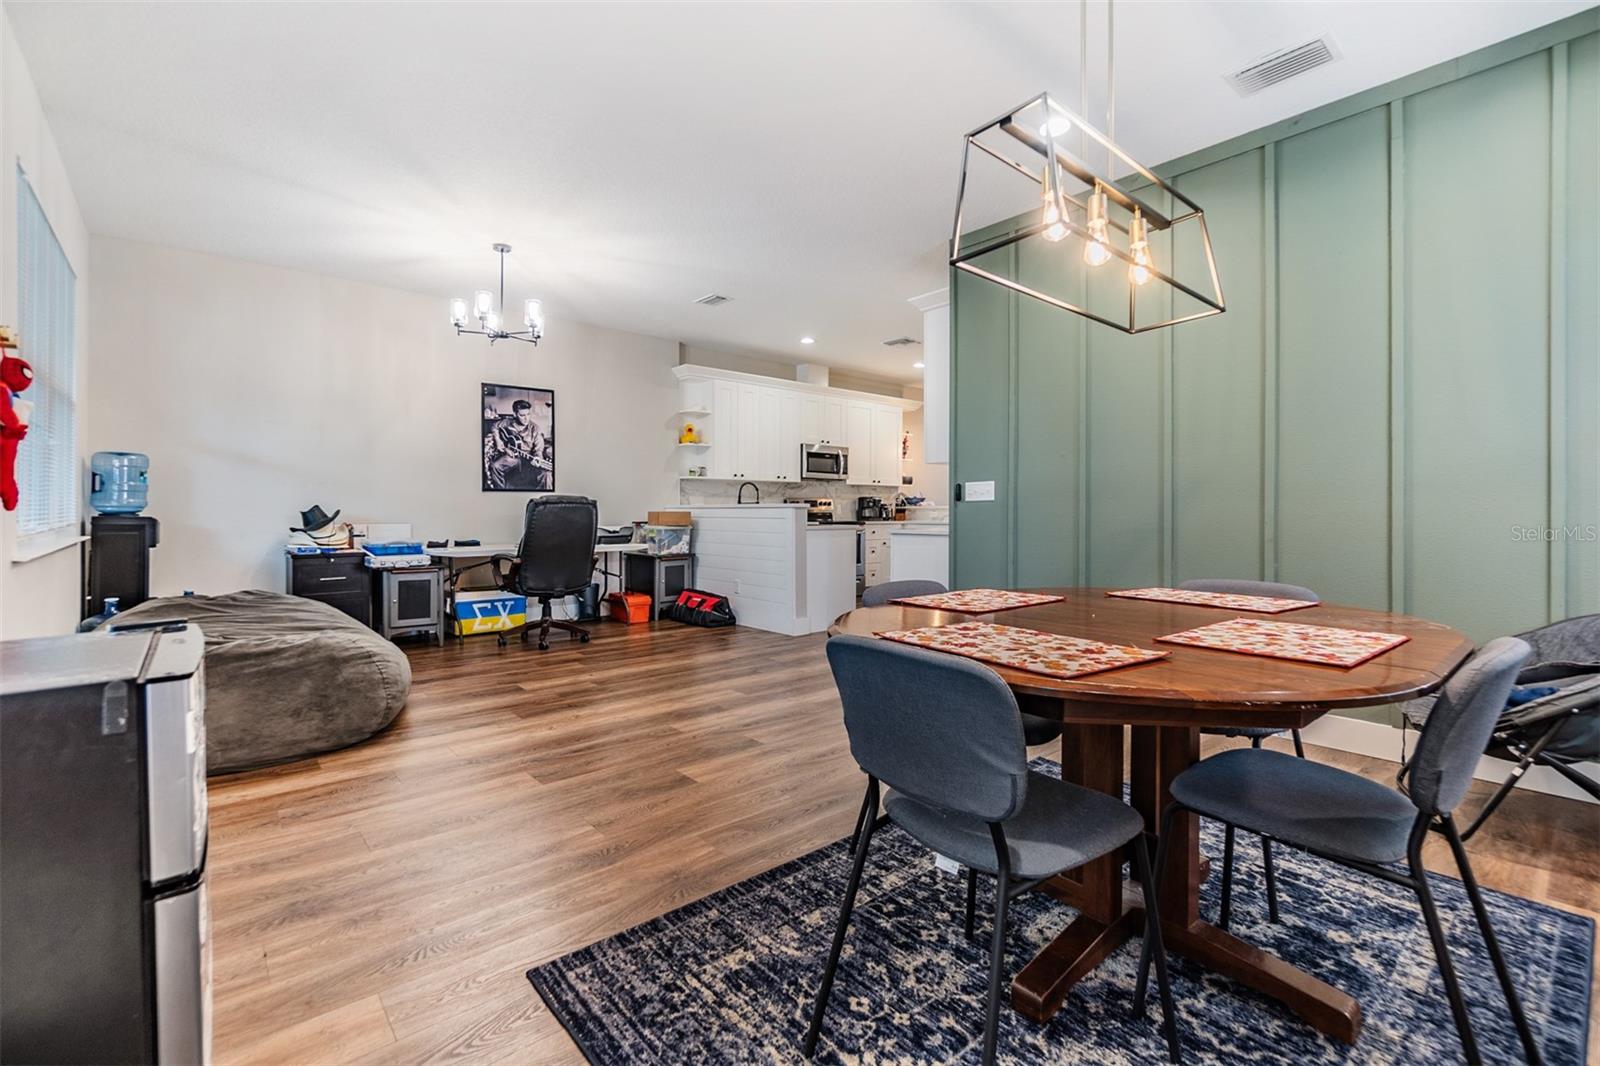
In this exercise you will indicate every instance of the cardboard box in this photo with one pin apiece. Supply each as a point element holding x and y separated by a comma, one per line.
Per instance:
<point>489,611</point>
<point>669,518</point>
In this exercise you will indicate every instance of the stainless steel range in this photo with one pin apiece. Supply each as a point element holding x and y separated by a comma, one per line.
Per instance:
<point>820,511</point>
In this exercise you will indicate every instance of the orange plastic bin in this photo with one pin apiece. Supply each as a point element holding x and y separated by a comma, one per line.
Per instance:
<point>629,607</point>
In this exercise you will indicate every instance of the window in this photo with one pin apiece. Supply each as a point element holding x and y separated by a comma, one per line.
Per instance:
<point>47,462</point>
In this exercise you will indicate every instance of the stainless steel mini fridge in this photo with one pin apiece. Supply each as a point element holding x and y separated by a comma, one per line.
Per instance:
<point>104,932</point>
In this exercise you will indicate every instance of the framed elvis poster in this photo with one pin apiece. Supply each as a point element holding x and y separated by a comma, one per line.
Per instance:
<point>519,439</point>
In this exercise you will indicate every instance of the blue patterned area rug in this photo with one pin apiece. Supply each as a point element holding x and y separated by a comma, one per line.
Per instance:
<point>730,978</point>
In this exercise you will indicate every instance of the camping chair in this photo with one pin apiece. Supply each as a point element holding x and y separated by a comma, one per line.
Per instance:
<point>1553,717</point>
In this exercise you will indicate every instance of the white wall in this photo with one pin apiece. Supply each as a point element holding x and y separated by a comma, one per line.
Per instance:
<point>259,391</point>
<point>927,479</point>
<point>40,596</point>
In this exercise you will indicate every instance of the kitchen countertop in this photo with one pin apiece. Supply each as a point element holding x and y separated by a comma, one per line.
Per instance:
<point>920,529</point>
<point>734,506</point>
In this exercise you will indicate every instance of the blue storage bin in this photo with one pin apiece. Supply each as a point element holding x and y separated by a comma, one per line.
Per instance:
<point>119,482</point>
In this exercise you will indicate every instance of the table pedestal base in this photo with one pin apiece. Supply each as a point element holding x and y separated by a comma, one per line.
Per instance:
<point>1112,910</point>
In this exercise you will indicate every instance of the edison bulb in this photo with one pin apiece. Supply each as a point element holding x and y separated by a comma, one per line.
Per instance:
<point>482,303</point>
<point>1139,249</point>
<point>491,322</point>
<point>458,312</point>
<point>1055,229</point>
<point>1096,252</point>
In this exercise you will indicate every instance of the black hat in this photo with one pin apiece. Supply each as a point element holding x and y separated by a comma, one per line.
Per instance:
<point>313,520</point>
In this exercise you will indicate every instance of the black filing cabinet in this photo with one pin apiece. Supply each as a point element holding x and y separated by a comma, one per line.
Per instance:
<point>119,560</point>
<point>338,579</point>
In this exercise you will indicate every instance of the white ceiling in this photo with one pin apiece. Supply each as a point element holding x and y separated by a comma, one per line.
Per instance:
<point>799,158</point>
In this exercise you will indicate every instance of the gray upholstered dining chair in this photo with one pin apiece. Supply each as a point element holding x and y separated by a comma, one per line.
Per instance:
<point>945,735</point>
<point>1036,728</point>
<point>1367,826</point>
<point>1256,735</point>
<point>878,595</point>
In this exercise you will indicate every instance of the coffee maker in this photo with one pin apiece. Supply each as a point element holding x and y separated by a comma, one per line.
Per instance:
<point>871,509</point>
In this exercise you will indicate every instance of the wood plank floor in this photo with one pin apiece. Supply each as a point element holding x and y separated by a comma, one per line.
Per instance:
<point>381,904</point>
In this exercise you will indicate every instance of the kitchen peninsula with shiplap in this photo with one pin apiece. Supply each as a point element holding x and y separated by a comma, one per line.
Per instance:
<point>782,541</point>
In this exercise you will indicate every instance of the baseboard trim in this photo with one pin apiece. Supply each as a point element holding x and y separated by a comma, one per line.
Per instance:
<point>1380,741</point>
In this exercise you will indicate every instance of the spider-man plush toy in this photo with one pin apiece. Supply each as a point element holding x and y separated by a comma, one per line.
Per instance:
<point>15,376</point>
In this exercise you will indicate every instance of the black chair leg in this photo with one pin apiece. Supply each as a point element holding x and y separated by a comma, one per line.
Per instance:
<point>997,951</point>
<point>828,971</point>
<point>1299,745</point>
<point>1272,879</point>
<point>867,813</point>
<point>1518,1018</point>
<point>1142,984</point>
<point>972,901</point>
<point>1441,950</point>
<point>1153,948</point>
<point>1226,914</point>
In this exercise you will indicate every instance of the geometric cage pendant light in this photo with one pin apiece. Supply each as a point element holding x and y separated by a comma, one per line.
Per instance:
<point>488,312</point>
<point>1123,234</point>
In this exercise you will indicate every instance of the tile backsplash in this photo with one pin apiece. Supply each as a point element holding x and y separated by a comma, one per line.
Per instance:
<point>708,492</point>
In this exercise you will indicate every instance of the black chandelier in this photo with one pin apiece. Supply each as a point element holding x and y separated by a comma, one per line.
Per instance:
<point>487,311</point>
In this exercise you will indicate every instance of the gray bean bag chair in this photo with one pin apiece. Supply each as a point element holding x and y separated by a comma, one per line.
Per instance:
<point>286,677</point>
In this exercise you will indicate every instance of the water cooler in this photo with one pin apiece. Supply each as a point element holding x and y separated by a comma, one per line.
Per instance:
<point>120,538</point>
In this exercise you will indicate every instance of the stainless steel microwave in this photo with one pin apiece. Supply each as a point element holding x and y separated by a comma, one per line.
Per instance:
<point>824,462</point>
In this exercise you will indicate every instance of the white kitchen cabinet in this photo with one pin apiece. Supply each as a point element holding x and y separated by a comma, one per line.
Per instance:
<point>778,436</point>
<point>724,433</point>
<point>886,447</point>
<point>858,438</point>
<point>919,552</point>
<point>875,552</point>
<point>811,419</point>
<point>873,432</point>
<point>789,437</point>
<point>755,429</point>
<point>747,461</point>
<point>769,461</point>
<point>822,420</point>
<point>833,418</point>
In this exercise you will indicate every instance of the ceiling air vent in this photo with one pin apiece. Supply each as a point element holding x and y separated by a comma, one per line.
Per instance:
<point>900,342</point>
<point>712,299</point>
<point>1282,65</point>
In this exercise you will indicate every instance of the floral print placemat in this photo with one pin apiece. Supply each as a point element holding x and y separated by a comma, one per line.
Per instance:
<point>1230,600</point>
<point>1289,640</point>
<point>979,601</point>
<point>1051,654</point>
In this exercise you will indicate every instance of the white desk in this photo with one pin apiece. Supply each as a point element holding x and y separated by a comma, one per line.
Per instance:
<point>453,556</point>
<point>483,551</point>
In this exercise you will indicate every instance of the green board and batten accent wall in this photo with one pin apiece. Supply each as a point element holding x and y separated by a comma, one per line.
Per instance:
<point>1404,391</point>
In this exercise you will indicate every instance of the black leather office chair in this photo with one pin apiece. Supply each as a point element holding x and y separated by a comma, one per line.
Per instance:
<point>556,558</point>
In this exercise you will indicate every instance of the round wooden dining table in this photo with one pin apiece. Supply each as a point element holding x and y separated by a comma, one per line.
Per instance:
<point>1166,703</point>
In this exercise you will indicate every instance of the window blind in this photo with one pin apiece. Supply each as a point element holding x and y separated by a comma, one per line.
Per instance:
<point>47,461</point>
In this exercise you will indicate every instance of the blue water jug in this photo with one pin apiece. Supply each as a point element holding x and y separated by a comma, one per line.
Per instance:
<point>119,482</point>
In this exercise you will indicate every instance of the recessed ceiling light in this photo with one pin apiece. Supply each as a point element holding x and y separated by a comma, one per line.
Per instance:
<point>918,366</point>
<point>808,340</point>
